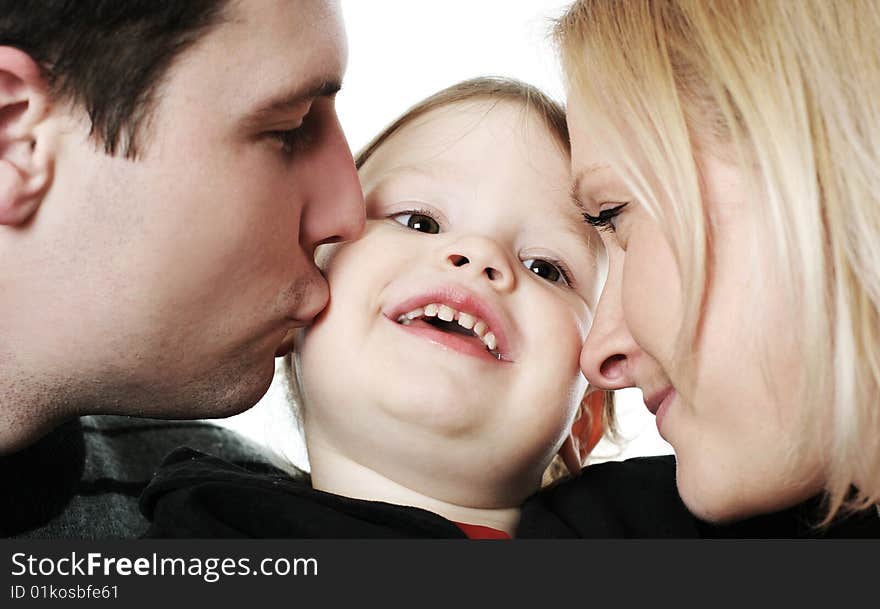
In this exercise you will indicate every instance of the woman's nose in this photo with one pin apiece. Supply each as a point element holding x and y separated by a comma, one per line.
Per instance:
<point>609,351</point>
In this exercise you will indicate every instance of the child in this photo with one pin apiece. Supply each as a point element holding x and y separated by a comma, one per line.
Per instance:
<point>443,377</point>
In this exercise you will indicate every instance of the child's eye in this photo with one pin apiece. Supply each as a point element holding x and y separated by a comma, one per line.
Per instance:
<point>418,221</point>
<point>554,272</point>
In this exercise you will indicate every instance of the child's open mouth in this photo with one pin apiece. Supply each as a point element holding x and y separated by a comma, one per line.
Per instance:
<point>446,320</point>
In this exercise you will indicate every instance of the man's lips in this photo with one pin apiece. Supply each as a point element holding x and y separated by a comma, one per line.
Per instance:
<point>462,301</point>
<point>310,297</point>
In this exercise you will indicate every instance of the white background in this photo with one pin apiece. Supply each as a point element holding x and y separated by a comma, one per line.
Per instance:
<point>401,51</point>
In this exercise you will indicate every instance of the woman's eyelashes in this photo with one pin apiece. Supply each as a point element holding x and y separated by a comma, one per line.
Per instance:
<point>550,270</point>
<point>606,218</point>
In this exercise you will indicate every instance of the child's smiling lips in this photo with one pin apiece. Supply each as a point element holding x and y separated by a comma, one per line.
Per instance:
<point>448,319</point>
<point>483,331</point>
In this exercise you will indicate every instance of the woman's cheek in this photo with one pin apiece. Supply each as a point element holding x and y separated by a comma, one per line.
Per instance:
<point>651,291</point>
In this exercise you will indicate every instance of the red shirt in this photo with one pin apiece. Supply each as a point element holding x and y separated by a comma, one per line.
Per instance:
<point>478,531</point>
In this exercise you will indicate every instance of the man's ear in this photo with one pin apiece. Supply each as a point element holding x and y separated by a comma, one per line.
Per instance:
<point>25,163</point>
<point>586,431</point>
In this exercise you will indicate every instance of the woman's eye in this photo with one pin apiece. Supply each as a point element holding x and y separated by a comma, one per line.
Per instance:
<point>606,218</point>
<point>545,270</point>
<point>420,222</point>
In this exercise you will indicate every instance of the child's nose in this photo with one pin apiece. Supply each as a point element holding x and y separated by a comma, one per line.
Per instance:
<point>483,258</point>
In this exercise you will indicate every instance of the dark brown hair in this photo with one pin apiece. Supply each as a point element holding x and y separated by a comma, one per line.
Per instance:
<point>107,56</point>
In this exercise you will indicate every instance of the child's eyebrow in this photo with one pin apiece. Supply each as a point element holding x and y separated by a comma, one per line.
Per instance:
<point>382,178</point>
<point>433,171</point>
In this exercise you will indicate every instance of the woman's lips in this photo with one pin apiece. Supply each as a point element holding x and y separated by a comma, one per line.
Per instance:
<point>658,404</point>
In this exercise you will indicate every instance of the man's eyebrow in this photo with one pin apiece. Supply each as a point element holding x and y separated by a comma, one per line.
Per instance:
<point>290,100</point>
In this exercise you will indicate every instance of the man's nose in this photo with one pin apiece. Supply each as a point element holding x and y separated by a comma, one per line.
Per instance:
<point>335,209</point>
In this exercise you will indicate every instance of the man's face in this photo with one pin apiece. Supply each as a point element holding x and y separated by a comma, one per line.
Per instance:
<point>177,278</point>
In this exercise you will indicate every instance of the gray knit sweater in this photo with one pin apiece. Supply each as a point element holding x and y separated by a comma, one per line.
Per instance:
<point>83,480</point>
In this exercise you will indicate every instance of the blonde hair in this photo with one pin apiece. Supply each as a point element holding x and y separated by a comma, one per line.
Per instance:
<point>551,113</point>
<point>793,89</point>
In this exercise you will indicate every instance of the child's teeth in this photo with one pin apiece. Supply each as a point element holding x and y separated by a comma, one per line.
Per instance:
<point>480,328</point>
<point>490,341</point>
<point>446,313</point>
<point>466,321</point>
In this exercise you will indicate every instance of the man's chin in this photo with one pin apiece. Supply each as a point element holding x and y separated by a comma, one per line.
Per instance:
<point>290,340</point>
<point>286,345</point>
<point>231,390</point>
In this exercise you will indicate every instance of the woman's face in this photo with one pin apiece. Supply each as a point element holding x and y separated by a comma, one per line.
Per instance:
<point>730,409</point>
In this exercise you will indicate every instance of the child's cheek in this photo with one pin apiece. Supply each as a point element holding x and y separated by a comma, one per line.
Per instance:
<point>564,327</point>
<point>578,317</point>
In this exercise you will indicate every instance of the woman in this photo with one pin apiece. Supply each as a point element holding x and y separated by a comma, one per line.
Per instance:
<point>730,151</point>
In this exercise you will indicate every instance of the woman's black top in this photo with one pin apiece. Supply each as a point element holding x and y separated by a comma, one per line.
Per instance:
<point>196,496</point>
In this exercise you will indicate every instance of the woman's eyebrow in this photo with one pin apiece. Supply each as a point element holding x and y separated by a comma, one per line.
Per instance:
<point>574,195</point>
<point>577,184</point>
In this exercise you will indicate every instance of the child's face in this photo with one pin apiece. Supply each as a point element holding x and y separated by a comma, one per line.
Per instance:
<point>467,208</point>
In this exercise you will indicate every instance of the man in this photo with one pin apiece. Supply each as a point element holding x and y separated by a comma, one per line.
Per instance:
<point>167,170</point>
